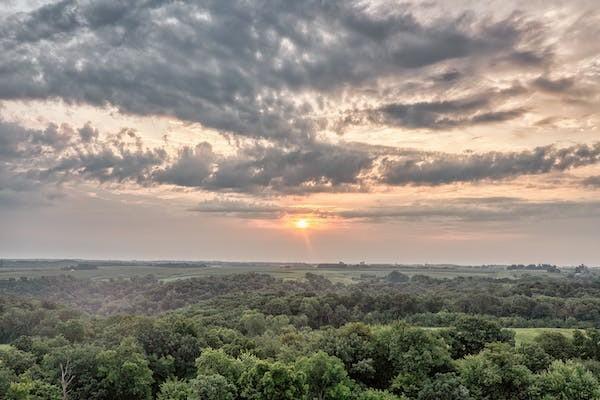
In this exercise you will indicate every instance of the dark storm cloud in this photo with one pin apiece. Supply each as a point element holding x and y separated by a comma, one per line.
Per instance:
<point>227,64</point>
<point>440,168</point>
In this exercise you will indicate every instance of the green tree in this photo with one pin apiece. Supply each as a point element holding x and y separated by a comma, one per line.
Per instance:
<point>32,389</point>
<point>444,387</point>
<point>83,365</point>
<point>354,345</point>
<point>534,357</point>
<point>566,381</point>
<point>406,357</point>
<point>124,372</point>
<point>374,394</point>
<point>6,377</point>
<point>174,389</point>
<point>73,330</point>
<point>397,277</point>
<point>213,387</point>
<point>217,362</point>
<point>497,373</point>
<point>270,381</point>
<point>470,334</point>
<point>253,323</point>
<point>16,360</point>
<point>325,377</point>
<point>587,344</point>
<point>557,345</point>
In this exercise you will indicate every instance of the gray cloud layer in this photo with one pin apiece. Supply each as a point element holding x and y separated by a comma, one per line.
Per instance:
<point>268,70</point>
<point>436,169</point>
<point>471,209</point>
<point>33,158</point>
<point>233,65</point>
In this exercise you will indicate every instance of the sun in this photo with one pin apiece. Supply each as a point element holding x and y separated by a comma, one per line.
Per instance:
<point>302,223</point>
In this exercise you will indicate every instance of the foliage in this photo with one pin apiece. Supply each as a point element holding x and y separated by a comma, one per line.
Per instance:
<point>254,337</point>
<point>566,381</point>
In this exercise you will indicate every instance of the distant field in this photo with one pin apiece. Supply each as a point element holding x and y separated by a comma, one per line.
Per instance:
<point>527,335</point>
<point>108,270</point>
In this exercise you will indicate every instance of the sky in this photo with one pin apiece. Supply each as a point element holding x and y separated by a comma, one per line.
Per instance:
<point>321,131</point>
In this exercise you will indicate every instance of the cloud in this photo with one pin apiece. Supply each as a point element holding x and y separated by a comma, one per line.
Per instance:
<point>34,161</point>
<point>441,168</point>
<point>554,86</point>
<point>61,154</point>
<point>487,209</point>
<point>183,59</point>
<point>191,167</point>
<point>483,106</point>
<point>592,181</point>
<point>474,209</point>
<point>241,208</point>
<point>318,167</point>
<point>464,209</point>
<point>57,154</point>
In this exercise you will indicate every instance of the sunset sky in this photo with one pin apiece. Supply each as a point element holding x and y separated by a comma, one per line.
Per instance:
<point>383,131</point>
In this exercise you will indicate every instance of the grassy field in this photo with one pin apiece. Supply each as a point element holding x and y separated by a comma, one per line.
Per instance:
<point>527,335</point>
<point>106,270</point>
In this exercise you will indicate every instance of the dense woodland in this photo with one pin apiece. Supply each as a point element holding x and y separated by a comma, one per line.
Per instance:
<point>252,336</point>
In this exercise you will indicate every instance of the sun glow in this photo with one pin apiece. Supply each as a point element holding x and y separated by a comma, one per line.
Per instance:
<point>302,223</point>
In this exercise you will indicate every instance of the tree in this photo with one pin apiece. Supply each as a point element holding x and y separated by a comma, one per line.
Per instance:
<point>534,357</point>
<point>6,377</point>
<point>174,389</point>
<point>253,323</point>
<point>397,277</point>
<point>216,362</point>
<point>470,334</point>
<point>213,387</point>
<point>566,381</point>
<point>353,344</point>
<point>497,373</point>
<point>170,345</point>
<point>73,330</point>
<point>587,344</point>
<point>373,394</point>
<point>124,372</point>
<point>32,389</point>
<point>444,387</point>
<point>66,378</point>
<point>17,360</point>
<point>556,344</point>
<point>325,377</point>
<point>406,357</point>
<point>270,381</point>
<point>83,366</point>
